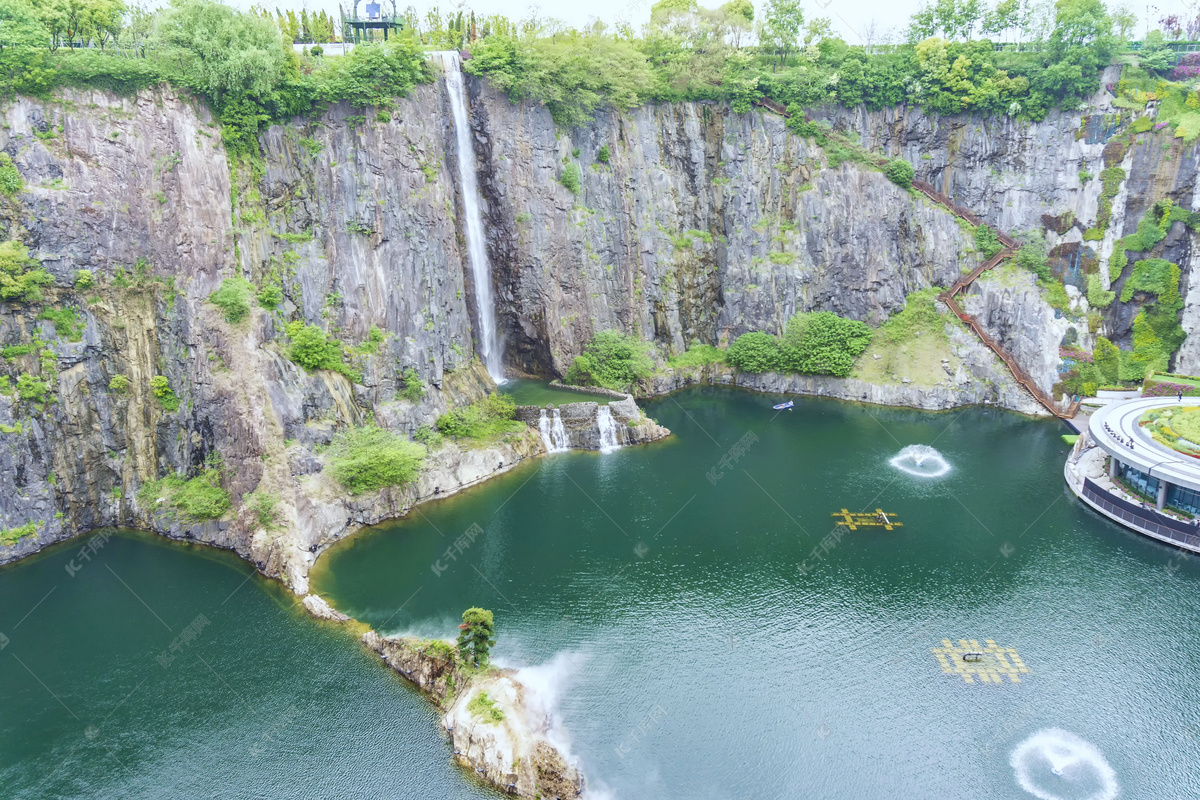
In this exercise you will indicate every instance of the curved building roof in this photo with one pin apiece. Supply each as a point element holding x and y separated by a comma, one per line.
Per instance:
<point>1115,430</point>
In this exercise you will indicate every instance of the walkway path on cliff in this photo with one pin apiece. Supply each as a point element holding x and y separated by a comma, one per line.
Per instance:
<point>947,297</point>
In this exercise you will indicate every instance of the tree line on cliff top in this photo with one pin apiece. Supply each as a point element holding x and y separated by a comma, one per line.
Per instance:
<point>243,64</point>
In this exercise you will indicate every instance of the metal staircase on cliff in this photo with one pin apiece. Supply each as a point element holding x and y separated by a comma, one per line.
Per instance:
<point>948,296</point>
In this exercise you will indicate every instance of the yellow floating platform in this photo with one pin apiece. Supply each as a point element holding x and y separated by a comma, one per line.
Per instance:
<point>870,519</point>
<point>989,663</point>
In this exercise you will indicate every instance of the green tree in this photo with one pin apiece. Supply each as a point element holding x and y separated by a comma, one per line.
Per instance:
<point>1154,56</point>
<point>21,25</point>
<point>222,51</point>
<point>376,74</point>
<point>476,636</point>
<point>781,25</point>
<point>1107,360</point>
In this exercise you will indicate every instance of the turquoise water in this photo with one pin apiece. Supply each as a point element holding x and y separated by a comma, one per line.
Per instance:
<point>526,392</point>
<point>261,702</point>
<point>690,655</point>
<point>701,648</point>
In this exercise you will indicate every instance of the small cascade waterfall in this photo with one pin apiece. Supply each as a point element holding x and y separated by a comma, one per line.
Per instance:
<point>553,432</point>
<point>489,338</point>
<point>610,437</point>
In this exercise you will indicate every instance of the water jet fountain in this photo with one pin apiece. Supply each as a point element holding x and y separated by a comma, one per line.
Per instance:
<point>920,460</point>
<point>1054,764</point>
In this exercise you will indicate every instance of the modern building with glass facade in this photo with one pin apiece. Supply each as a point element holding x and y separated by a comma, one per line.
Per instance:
<point>1118,468</point>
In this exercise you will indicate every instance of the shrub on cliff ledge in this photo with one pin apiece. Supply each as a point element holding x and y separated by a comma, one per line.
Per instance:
<point>312,349</point>
<point>10,179</point>
<point>233,298</point>
<point>483,419</point>
<point>368,458</point>
<point>611,360</point>
<point>900,172</point>
<point>198,498</point>
<point>17,280</point>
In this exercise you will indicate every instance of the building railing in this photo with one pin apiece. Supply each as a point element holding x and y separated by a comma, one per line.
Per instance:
<point>1142,519</point>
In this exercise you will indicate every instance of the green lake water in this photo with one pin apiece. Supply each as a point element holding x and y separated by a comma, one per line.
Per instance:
<point>672,610</point>
<point>262,701</point>
<point>695,646</point>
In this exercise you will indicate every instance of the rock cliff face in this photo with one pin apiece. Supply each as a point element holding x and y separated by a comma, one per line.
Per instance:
<point>1045,177</point>
<point>701,224</point>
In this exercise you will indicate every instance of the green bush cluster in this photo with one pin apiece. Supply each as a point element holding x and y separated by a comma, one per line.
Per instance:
<point>900,172</point>
<point>602,155</point>
<point>233,298</point>
<point>986,241</point>
<point>816,343</point>
<point>1032,256</point>
<point>10,536</point>
<point>483,419</point>
<point>698,355</point>
<point>484,708</point>
<point>412,388</point>
<point>10,179</point>
<point>1097,295</point>
<point>21,278</point>
<point>367,458</point>
<point>570,177</point>
<point>161,387</point>
<point>67,323</point>
<point>197,498</point>
<point>84,279</point>
<point>118,383</point>
<point>612,360</point>
<point>31,388</point>
<point>312,349</point>
<point>919,317</point>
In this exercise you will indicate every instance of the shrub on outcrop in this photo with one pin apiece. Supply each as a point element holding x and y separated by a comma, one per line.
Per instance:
<point>612,360</point>
<point>570,177</point>
<point>198,498</point>
<point>987,242</point>
<point>483,419</point>
<point>233,298</point>
<point>10,179</point>
<point>900,172</point>
<point>165,394</point>
<point>313,350</point>
<point>21,278</point>
<point>369,457</point>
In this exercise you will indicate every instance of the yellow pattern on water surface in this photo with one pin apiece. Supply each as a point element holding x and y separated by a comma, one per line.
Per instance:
<point>993,665</point>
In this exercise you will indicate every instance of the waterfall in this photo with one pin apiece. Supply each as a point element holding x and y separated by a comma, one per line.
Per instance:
<point>610,439</point>
<point>481,271</point>
<point>553,432</point>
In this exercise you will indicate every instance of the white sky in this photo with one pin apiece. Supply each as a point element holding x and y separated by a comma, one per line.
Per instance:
<point>849,17</point>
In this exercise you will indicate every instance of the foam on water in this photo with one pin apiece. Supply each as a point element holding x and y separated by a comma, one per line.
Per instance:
<point>920,460</point>
<point>545,685</point>
<point>1054,764</point>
